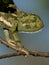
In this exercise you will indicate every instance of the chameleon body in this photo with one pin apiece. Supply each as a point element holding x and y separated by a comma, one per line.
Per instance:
<point>19,22</point>
<point>22,21</point>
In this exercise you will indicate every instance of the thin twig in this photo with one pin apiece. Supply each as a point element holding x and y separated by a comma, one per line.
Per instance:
<point>9,55</point>
<point>9,45</point>
<point>33,53</point>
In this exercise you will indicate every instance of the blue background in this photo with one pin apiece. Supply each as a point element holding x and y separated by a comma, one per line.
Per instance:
<point>35,41</point>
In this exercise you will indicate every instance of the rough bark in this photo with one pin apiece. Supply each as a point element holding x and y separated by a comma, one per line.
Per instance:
<point>19,52</point>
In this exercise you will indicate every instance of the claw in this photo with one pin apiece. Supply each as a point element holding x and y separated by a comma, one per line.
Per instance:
<point>25,51</point>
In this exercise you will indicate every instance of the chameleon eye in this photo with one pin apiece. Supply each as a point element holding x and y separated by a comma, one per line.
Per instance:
<point>33,19</point>
<point>27,26</point>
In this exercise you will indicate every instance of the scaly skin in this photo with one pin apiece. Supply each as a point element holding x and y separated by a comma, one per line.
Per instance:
<point>19,22</point>
<point>23,21</point>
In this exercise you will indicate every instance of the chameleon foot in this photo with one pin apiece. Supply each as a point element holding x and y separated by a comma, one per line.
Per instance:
<point>24,50</point>
<point>11,42</point>
<point>21,48</point>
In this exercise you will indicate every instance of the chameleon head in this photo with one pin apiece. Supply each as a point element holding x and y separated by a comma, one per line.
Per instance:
<point>31,23</point>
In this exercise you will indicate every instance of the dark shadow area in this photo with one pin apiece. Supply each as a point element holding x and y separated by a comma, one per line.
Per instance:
<point>4,6</point>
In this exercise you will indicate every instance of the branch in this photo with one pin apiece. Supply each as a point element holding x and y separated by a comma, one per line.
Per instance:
<point>33,53</point>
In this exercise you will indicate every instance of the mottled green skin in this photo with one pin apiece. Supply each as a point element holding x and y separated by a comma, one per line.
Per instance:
<point>21,22</point>
<point>29,22</point>
<point>24,22</point>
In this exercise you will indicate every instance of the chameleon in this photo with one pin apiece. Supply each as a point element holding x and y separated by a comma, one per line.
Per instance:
<point>20,21</point>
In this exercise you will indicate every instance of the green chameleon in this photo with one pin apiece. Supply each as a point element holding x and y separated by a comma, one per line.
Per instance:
<point>19,22</point>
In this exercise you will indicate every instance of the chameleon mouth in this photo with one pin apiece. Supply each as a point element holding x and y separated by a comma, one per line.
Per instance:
<point>31,28</point>
<point>31,31</point>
